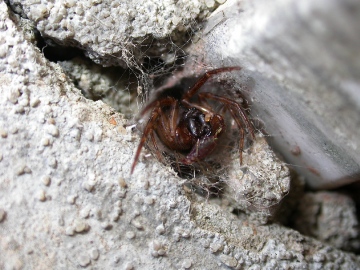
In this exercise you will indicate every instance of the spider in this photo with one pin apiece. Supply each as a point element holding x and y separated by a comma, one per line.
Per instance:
<point>190,126</point>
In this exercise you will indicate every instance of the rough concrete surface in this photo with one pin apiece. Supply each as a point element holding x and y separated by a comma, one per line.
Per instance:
<point>132,24</point>
<point>67,199</point>
<point>330,217</point>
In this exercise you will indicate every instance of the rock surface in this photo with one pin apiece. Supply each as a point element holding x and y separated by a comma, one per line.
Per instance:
<point>67,199</point>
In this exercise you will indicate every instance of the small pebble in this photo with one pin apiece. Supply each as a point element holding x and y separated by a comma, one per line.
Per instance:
<point>53,130</point>
<point>154,254</point>
<point>89,136</point>
<point>116,214</point>
<point>51,121</point>
<point>20,170</point>
<point>185,234</point>
<point>84,260</point>
<point>156,245</point>
<point>149,200</point>
<point>215,247</point>
<point>13,97</point>
<point>46,180</point>
<point>3,133</point>
<point>14,130</point>
<point>45,141</point>
<point>47,109</point>
<point>70,230</point>
<point>129,266</point>
<point>71,199</point>
<point>94,254</point>
<point>137,224</point>
<point>84,213</point>
<point>52,162</point>
<point>187,264</point>
<point>34,102</point>
<point>130,235</point>
<point>209,3</point>
<point>122,193</point>
<point>106,225</point>
<point>81,226</point>
<point>42,195</point>
<point>24,102</point>
<point>172,204</point>
<point>228,260</point>
<point>27,169</point>
<point>160,229</point>
<point>161,252</point>
<point>88,186</point>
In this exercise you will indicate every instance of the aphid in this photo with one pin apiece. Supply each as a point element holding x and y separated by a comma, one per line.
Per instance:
<point>189,125</point>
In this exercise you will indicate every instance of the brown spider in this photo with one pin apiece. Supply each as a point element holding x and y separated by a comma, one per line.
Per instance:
<point>192,127</point>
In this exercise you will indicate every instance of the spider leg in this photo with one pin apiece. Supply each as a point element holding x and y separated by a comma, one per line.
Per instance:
<point>242,133</point>
<point>236,107</point>
<point>173,118</point>
<point>235,110</point>
<point>149,128</point>
<point>153,140</point>
<point>204,106</point>
<point>200,82</point>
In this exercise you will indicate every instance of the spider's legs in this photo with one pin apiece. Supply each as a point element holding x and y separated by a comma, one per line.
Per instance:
<point>235,110</point>
<point>153,140</point>
<point>231,104</point>
<point>242,133</point>
<point>200,82</point>
<point>150,127</point>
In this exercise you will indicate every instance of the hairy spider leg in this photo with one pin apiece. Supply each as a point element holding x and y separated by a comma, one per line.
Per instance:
<point>235,110</point>
<point>200,82</point>
<point>240,126</point>
<point>148,107</point>
<point>173,118</point>
<point>149,128</point>
<point>242,133</point>
<point>153,140</point>
<point>229,103</point>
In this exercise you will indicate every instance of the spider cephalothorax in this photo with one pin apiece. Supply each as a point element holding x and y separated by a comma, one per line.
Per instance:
<point>191,127</point>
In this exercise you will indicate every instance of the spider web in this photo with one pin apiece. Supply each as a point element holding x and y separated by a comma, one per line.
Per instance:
<point>128,90</point>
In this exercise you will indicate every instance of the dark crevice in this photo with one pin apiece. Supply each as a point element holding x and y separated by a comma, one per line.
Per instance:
<point>54,52</point>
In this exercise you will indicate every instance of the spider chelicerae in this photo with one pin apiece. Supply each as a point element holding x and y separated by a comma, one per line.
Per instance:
<point>189,125</point>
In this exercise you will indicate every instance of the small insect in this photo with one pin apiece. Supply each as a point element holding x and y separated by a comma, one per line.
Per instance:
<point>189,125</point>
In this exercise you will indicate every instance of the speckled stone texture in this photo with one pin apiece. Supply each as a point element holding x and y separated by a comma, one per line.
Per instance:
<point>330,217</point>
<point>67,199</point>
<point>116,32</point>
